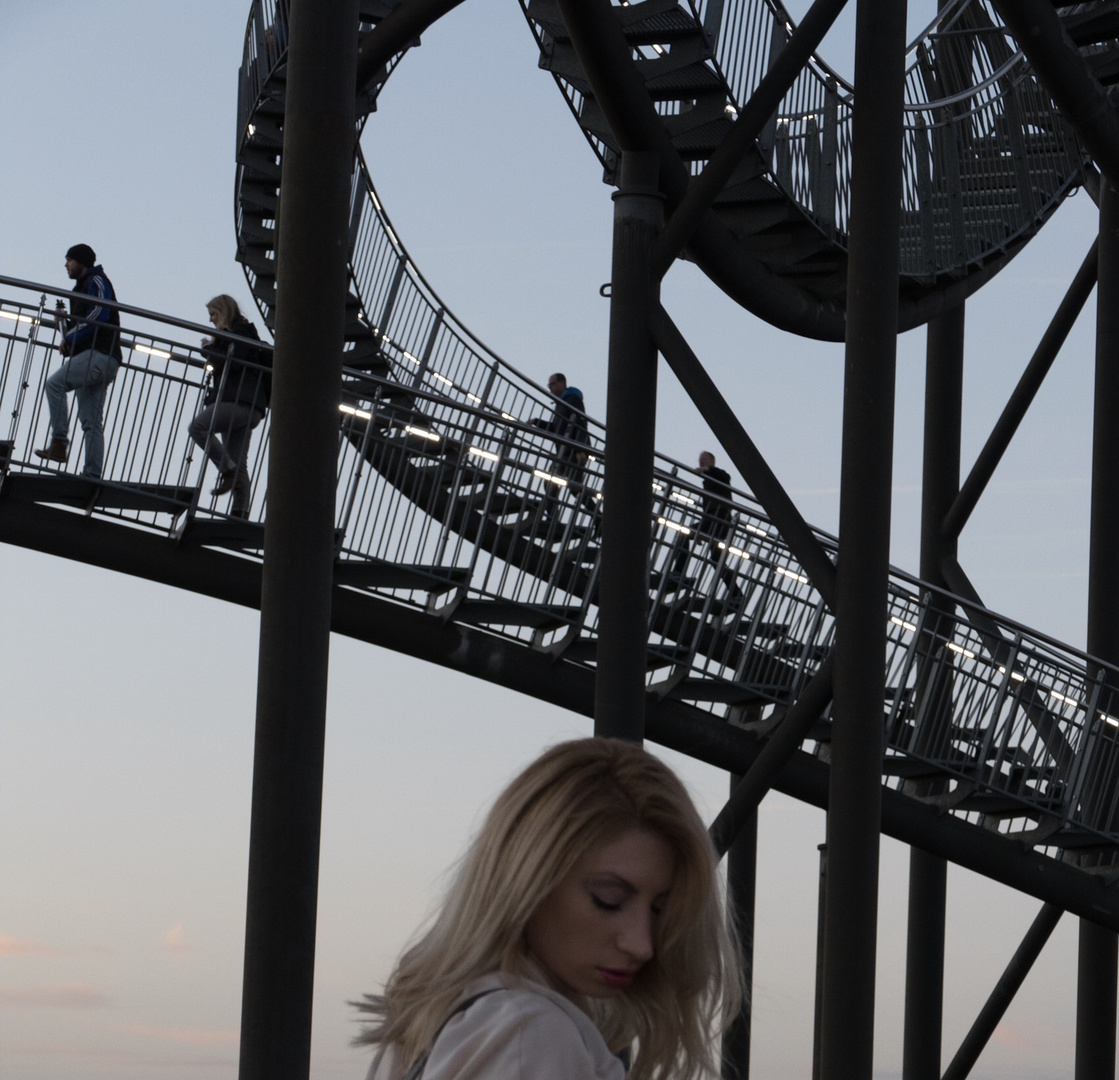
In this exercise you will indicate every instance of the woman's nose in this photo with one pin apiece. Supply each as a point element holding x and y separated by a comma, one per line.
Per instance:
<point>636,938</point>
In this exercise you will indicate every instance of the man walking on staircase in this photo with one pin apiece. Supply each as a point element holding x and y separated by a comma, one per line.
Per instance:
<point>569,423</point>
<point>91,345</point>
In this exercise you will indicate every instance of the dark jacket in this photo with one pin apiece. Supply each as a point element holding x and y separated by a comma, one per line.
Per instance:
<point>569,418</point>
<point>716,514</point>
<point>240,365</point>
<point>100,328</point>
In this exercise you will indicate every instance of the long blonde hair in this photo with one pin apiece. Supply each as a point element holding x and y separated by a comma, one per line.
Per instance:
<point>573,798</point>
<point>224,310</point>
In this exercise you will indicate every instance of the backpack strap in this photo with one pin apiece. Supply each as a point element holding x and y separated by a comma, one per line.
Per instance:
<point>418,1066</point>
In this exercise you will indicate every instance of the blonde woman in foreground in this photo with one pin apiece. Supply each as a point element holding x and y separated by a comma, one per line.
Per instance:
<point>584,920</point>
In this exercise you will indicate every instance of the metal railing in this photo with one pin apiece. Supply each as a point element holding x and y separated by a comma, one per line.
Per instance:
<point>160,387</point>
<point>442,474</point>
<point>456,503</point>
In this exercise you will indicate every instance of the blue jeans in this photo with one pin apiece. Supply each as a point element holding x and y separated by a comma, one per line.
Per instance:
<point>88,374</point>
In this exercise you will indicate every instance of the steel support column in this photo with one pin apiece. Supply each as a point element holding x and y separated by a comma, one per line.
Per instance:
<point>742,870</point>
<point>627,491</point>
<point>862,570</point>
<point>924,966</point>
<point>928,874</point>
<point>297,575</point>
<point>1096,980</point>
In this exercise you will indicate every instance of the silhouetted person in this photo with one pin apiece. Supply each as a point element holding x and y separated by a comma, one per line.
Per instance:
<point>714,524</point>
<point>235,402</point>
<point>569,424</point>
<point>91,344</point>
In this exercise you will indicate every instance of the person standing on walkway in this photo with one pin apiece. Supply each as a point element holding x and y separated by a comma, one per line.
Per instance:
<point>236,401</point>
<point>569,424</point>
<point>714,526</point>
<point>91,345</point>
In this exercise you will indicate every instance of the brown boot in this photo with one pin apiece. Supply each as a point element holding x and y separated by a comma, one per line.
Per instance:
<point>59,450</point>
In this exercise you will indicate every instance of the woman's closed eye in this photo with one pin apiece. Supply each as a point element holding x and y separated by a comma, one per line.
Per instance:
<point>605,905</point>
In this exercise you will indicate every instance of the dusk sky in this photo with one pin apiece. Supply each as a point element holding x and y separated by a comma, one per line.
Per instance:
<point>126,708</point>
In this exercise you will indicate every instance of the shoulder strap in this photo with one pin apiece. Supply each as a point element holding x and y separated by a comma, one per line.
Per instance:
<point>418,1066</point>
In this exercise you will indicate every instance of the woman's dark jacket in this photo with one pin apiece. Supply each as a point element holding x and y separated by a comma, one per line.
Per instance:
<point>237,369</point>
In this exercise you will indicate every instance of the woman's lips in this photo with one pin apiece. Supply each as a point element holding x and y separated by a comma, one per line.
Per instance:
<point>617,979</point>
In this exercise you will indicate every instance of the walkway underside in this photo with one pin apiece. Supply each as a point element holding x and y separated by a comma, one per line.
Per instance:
<point>474,652</point>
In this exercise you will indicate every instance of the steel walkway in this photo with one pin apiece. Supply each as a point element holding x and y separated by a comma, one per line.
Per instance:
<point>463,537</point>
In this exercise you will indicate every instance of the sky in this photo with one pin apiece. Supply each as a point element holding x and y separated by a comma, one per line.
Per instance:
<point>126,708</point>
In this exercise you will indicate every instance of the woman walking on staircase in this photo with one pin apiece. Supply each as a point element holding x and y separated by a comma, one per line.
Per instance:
<point>236,400</point>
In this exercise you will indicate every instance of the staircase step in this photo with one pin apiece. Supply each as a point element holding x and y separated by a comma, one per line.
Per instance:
<point>378,574</point>
<point>1094,26</point>
<point>721,691</point>
<point>234,533</point>
<point>510,613</point>
<point>65,489</point>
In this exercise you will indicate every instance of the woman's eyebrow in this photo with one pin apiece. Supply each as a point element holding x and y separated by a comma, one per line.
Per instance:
<point>609,878</point>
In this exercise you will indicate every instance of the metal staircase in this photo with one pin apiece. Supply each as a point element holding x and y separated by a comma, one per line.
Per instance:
<point>986,157</point>
<point>458,539</point>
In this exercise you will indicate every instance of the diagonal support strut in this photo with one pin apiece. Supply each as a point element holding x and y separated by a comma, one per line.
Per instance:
<point>779,749</point>
<point>747,458</point>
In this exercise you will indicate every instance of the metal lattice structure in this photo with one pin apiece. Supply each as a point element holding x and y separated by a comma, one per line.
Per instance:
<point>460,522</point>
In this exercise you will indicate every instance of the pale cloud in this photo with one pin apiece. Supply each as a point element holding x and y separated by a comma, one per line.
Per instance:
<point>1033,1036</point>
<point>10,946</point>
<point>192,1036</point>
<point>175,942</point>
<point>60,996</point>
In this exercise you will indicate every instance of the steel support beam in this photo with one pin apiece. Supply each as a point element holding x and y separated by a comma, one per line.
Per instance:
<point>1024,393</point>
<point>742,870</point>
<point>821,938</point>
<point>1099,948</point>
<point>862,569</point>
<point>297,575</point>
<point>394,33</point>
<point>1095,1003</point>
<point>627,490</point>
<point>1045,922</point>
<point>924,966</point>
<point>748,460</point>
<point>511,665</point>
<point>928,874</point>
<point>779,747</point>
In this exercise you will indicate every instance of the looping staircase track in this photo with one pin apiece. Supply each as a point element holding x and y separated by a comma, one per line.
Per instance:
<point>988,723</point>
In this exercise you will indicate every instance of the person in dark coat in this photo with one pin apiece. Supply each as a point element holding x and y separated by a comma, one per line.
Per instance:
<point>569,424</point>
<point>714,524</point>
<point>91,344</point>
<point>236,400</point>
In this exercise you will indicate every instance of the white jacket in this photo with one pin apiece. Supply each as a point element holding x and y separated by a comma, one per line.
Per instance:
<point>524,1031</point>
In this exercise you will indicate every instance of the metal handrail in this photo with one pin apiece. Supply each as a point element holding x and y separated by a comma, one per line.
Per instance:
<point>467,498</point>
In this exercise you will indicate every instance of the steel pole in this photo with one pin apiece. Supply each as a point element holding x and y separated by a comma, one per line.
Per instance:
<point>299,543</point>
<point>928,874</point>
<point>627,491</point>
<point>862,569</point>
<point>821,937</point>
<point>742,871</point>
<point>1099,948</point>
